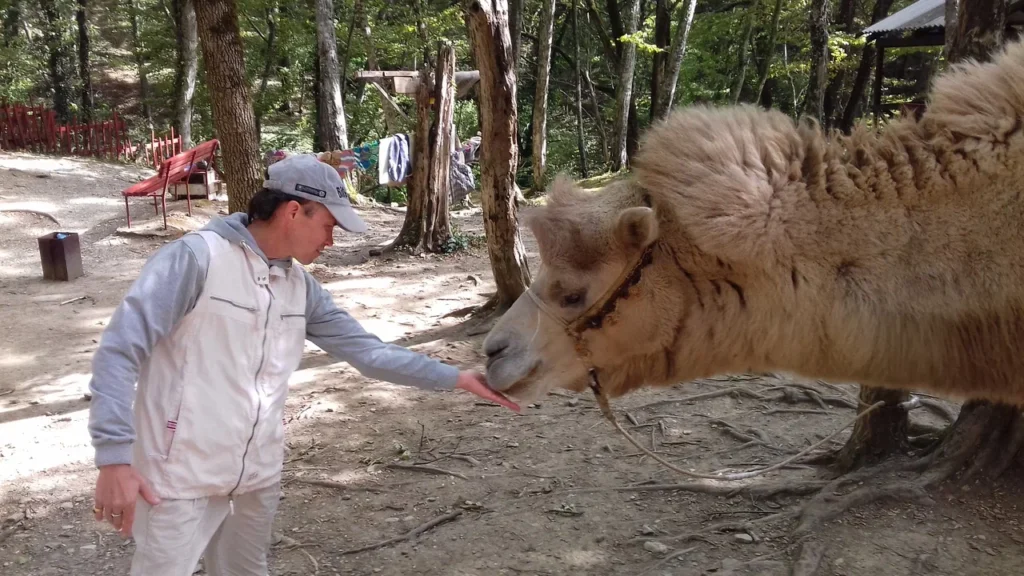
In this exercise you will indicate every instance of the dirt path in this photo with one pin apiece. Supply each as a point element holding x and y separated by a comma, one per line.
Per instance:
<point>521,498</point>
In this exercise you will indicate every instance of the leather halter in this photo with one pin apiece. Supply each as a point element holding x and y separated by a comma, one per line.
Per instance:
<point>593,317</point>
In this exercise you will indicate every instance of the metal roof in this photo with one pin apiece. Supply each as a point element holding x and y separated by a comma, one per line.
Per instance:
<point>919,15</point>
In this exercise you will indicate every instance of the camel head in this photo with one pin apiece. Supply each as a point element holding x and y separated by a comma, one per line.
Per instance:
<point>585,241</point>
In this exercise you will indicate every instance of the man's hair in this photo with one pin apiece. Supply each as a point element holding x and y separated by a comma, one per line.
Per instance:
<point>263,205</point>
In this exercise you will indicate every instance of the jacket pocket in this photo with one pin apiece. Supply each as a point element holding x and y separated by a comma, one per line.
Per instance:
<point>235,308</point>
<point>168,423</point>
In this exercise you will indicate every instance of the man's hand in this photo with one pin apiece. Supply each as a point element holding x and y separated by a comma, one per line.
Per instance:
<point>476,383</point>
<point>117,489</point>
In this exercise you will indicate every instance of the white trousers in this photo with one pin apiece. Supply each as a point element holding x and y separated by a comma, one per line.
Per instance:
<point>171,537</point>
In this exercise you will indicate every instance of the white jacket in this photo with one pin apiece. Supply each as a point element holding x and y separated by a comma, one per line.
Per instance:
<point>213,370</point>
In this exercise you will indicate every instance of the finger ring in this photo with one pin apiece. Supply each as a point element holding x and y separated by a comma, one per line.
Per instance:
<point>112,515</point>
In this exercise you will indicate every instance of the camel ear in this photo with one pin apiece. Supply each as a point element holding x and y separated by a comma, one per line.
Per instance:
<point>636,228</point>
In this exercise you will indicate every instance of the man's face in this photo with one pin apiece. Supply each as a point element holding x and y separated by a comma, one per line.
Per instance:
<point>310,230</point>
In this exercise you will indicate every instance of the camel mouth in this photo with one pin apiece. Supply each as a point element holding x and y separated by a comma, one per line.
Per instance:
<point>503,375</point>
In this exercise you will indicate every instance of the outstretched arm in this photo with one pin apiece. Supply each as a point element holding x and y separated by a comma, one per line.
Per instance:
<point>341,335</point>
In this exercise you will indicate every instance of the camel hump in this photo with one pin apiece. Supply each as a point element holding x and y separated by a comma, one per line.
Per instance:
<point>972,89</point>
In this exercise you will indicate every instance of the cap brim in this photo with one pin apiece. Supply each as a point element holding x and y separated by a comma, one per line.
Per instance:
<point>346,218</point>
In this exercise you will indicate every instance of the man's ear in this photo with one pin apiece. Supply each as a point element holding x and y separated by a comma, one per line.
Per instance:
<point>636,228</point>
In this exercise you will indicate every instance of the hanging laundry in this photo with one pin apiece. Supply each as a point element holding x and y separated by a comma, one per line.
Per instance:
<point>399,159</point>
<point>460,179</point>
<point>383,161</point>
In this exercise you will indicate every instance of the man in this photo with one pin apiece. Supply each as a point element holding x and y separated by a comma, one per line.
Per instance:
<point>211,331</point>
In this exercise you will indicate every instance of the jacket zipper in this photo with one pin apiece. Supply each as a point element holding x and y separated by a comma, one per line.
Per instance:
<point>259,401</point>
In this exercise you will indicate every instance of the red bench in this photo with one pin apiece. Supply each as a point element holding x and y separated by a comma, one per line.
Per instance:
<point>172,171</point>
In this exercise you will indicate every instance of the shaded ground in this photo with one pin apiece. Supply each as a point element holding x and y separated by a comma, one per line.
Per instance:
<point>536,493</point>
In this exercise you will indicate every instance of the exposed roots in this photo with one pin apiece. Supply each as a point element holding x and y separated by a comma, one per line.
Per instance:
<point>986,440</point>
<point>40,213</point>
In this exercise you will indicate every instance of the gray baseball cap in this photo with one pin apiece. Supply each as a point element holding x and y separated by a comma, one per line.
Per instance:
<point>305,176</point>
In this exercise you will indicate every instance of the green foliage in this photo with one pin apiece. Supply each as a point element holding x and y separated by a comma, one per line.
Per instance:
<point>462,241</point>
<point>286,107</point>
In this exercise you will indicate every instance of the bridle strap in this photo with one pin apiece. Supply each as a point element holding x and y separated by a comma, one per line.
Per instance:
<point>593,316</point>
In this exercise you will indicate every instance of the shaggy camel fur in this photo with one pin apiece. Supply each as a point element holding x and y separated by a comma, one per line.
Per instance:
<point>892,258</point>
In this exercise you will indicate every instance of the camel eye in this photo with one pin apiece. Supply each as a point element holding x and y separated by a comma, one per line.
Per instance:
<point>572,299</point>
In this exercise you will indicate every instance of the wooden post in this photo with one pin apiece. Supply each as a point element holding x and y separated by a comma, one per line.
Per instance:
<point>438,229</point>
<point>876,95</point>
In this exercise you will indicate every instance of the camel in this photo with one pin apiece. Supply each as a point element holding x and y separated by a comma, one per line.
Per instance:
<point>744,241</point>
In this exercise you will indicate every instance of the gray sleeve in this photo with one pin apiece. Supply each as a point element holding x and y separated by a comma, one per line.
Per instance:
<point>341,336</point>
<point>164,292</point>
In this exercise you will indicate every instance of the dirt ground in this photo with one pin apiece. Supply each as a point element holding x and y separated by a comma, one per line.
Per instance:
<point>534,493</point>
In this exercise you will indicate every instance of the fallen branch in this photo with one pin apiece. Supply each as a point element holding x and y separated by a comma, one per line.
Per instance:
<point>335,485</point>
<point>426,469</point>
<point>410,534</point>
<point>70,300</point>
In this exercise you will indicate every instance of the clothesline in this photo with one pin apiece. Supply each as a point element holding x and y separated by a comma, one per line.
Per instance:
<point>392,157</point>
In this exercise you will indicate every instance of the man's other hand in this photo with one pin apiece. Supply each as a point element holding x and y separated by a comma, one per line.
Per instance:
<point>117,489</point>
<point>475,382</point>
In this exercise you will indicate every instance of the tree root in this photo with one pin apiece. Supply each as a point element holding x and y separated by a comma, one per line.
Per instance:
<point>35,212</point>
<point>410,534</point>
<point>754,490</point>
<point>810,557</point>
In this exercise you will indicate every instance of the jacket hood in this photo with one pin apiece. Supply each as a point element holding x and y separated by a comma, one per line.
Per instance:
<point>234,229</point>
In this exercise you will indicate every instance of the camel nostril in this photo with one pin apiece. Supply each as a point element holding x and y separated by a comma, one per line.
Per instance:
<point>494,348</point>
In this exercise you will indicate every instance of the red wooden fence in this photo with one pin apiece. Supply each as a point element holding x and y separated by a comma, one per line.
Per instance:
<point>36,129</point>
<point>161,148</point>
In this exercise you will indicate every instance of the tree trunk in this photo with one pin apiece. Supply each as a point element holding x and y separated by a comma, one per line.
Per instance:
<point>515,30</point>
<point>766,62</point>
<point>981,29</point>
<point>83,60</point>
<point>949,36</point>
<point>595,112</point>
<point>545,34</point>
<point>59,59</point>
<point>140,62</point>
<point>581,141</point>
<point>662,39</point>
<point>860,82</point>
<point>667,90</point>
<point>847,12</point>
<point>12,21</point>
<point>233,117</point>
<point>624,90</point>
<point>880,434</point>
<point>392,122</point>
<point>437,228</point>
<point>814,105</point>
<point>426,226</point>
<point>333,133</point>
<point>186,66</point>
<point>744,50</point>
<point>487,21</point>
<point>421,31</point>
<point>268,67</point>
